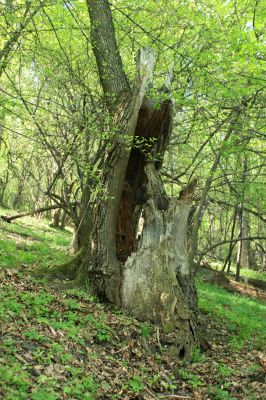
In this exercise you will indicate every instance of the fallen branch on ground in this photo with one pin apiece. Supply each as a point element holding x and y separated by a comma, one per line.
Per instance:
<point>11,218</point>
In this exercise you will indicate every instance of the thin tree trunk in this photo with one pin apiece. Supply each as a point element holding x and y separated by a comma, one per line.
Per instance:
<point>63,220</point>
<point>239,250</point>
<point>228,260</point>
<point>242,252</point>
<point>245,250</point>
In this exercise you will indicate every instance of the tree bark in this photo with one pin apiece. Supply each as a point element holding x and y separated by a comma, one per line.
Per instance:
<point>137,251</point>
<point>245,248</point>
<point>228,260</point>
<point>242,251</point>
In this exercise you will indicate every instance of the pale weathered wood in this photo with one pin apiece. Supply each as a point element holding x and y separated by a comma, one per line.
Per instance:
<point>155,276</point>
<point>150,277</point>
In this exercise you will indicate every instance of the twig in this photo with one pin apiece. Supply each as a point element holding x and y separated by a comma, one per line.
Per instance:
<point>151,393</point>
<point>120,350</point>
<point>173,396</point>
<point>158,338</point>
<point>165,376</point>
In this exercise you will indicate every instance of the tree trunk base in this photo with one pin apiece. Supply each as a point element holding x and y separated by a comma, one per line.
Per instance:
<point>71,270</point>
<point>156,283</point>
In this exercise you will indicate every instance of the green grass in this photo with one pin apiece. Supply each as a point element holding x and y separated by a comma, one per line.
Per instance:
<point>71,332</point>
<point>245,317</point>
<point>36,314</point>
<point>249,273</point>
<point>244,272</point>
<point>31,242</point>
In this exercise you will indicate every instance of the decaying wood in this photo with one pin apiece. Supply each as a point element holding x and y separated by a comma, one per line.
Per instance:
<point>188,191</point>
<point>149,273</point>
<point>105,265</point>
<point>150,276</point>
<point>137,257</point>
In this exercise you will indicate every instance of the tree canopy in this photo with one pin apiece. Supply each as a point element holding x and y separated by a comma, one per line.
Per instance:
<point>53,114</point>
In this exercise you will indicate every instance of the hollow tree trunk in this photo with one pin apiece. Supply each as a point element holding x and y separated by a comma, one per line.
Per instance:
<point>137,256</point>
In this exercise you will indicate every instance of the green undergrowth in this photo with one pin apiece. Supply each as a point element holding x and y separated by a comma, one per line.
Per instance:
<point>30,242</point>
<point>245,317</point>
<point>69,346</point>
<point>244,272</point>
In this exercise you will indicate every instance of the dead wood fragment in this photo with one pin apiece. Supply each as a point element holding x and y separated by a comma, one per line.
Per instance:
<point>173,396</point>
<point>262,361</point>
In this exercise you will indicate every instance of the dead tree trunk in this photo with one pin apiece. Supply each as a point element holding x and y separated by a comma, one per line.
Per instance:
<point>137,256</point>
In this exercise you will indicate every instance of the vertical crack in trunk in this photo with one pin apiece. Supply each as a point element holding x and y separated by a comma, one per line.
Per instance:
<point>141,276</point>
<point>150,141</point>
<point>148,276</point>
<point>156,283</point>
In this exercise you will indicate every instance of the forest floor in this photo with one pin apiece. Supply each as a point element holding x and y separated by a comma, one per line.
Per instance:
<point>67,345</point>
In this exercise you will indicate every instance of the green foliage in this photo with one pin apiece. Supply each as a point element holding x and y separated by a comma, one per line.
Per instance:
<point>245,316</point>
<point>220,394</point>
<point>255,368</point>
<point>44,394</point>
<point>102,331</point>
<point>189,377</point>
<point>32,242</point>
<point>225,370</point>
<point>34,335</point>
<point>146,330</point>
<point>82,389</point>
<point>136,384</point>
<point>197,356</point>
<point>15,380</point>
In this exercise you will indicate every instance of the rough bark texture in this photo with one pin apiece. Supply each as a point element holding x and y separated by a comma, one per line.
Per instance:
<point>104,265</point>
<point>138,252</point>
<point>149,273</point>
<point>112,76</point>
<point>245,247</point>
<point>156,276</point>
